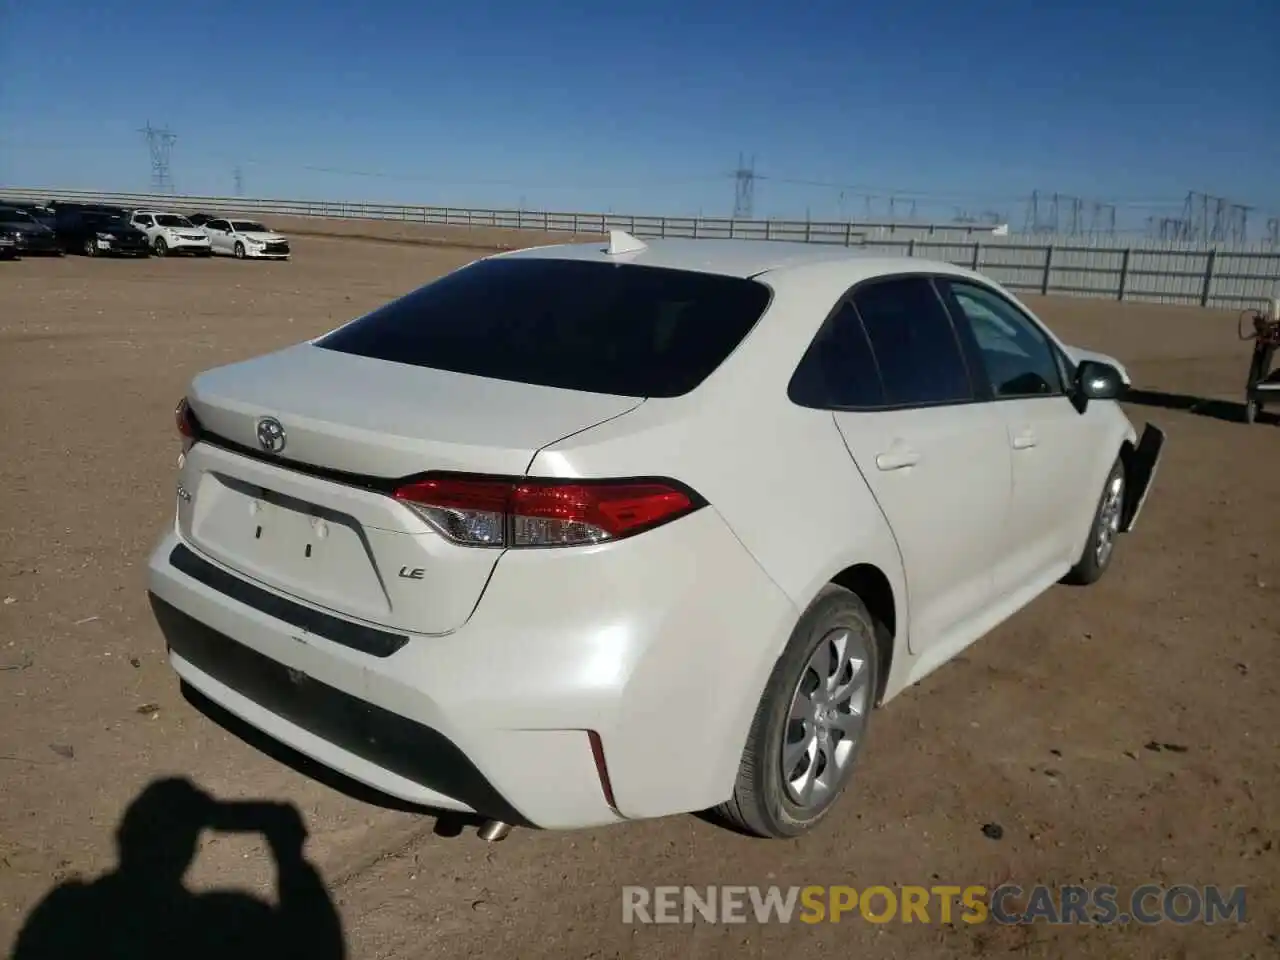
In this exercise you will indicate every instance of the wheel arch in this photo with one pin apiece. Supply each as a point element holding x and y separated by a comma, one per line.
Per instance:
<point>872,586</point>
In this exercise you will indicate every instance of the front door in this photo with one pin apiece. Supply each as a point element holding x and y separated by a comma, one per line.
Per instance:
<point>1052,446</point>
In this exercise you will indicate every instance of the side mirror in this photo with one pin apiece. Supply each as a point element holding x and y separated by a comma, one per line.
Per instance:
<point>1096,381</point>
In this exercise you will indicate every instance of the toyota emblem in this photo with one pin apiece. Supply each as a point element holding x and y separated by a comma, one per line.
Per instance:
<point>271,435</point>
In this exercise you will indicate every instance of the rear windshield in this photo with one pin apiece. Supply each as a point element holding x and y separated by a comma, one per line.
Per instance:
<point>597,327</point>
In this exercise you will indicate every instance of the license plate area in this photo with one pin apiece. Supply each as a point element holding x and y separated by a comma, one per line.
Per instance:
<point>304,549</point>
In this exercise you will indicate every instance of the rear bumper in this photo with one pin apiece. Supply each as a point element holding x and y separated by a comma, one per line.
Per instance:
<point>659,645</point>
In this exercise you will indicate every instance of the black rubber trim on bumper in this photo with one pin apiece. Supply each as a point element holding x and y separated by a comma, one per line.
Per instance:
<point>388,740</point>
<point>370,640</point>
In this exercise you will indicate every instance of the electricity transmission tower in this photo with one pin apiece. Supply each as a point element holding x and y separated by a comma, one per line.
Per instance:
<point>1048,217</point>
<point>1168,228</point>
<point>1102,219</point>
<point>160,144</point>
<point>744,189</point>
<point>239,177</point>
<point>1214,219</point>
<point>1059,213</point>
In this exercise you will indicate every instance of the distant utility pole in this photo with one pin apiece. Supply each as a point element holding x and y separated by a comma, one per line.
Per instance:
<point>239,176</point>
<point>160,144</point>
<point>744,189</point>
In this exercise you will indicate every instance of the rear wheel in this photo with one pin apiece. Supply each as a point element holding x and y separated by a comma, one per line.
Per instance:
<point>1100,546</point>
<point>809,727</point>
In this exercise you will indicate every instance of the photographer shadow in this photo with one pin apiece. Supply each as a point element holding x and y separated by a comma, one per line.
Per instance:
<point>143,910</point>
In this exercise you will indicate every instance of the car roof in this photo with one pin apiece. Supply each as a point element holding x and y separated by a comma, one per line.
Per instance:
<point>743,258</point>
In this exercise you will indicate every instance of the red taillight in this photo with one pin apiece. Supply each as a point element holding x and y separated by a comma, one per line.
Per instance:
<point>188,428</point>
<point>524,513</point>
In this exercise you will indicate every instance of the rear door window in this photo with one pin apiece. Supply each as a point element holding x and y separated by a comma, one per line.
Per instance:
<point>618,329</point>
<point>914,343</point>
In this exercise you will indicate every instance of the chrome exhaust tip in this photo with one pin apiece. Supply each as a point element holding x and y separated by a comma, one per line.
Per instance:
<point>494,830</point>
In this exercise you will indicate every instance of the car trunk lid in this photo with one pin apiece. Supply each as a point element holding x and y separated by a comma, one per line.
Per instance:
<point>306,509</point>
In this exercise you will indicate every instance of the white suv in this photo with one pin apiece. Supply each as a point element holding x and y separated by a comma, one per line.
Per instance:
<point>587,533</point>
<point>171,233</point>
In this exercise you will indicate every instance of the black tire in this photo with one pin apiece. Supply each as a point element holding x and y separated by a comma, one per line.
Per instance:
<point>239,250</point>
<point>1093,564</point>
<point>760,804</point>
<point>90,248</point>
<point>160,247</point>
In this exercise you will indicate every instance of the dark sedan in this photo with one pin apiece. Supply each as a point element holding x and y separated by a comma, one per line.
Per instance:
<point>95,232</point>
<point>27,233</point>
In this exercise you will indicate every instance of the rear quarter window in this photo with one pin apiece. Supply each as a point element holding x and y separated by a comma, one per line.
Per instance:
<point>618,329</point>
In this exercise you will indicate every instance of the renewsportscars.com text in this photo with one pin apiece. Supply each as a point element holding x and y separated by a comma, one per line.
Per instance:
<point>1007,904</point>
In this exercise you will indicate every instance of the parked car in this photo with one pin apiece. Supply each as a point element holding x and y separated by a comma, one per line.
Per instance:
<point>199,219</point>
<point>38,211</point>
<point>95,230</point>
<point>246,239</point>
<point>8,247</point>
<point>583,533</point>
<point>26,234</point>
<point>171,233</point>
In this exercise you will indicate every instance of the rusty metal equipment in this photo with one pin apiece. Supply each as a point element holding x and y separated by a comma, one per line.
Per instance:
<point>1263,386</point>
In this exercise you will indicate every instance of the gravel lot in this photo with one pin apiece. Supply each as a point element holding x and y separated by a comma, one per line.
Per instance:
<point>1051,727</point>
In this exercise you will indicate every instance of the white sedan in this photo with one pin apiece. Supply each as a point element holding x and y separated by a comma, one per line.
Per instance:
<point>246,239</point>
<point>586,533</point>
<point>171,233</point>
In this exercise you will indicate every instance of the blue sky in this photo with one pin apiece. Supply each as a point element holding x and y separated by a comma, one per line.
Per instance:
<point>645,105</point>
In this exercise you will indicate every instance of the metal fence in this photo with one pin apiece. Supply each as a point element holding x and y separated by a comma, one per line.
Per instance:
<point>1160,271</point>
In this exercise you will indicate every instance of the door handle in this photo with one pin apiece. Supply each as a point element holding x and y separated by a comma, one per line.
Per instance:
<point>897,457</point>
<point>1024,440</point>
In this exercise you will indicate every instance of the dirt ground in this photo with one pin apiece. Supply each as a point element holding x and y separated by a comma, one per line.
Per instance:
<point>1046,727</point>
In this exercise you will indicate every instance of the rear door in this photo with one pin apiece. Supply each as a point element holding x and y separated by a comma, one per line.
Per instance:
<point>932,452</point>
<point>1053,448</point>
